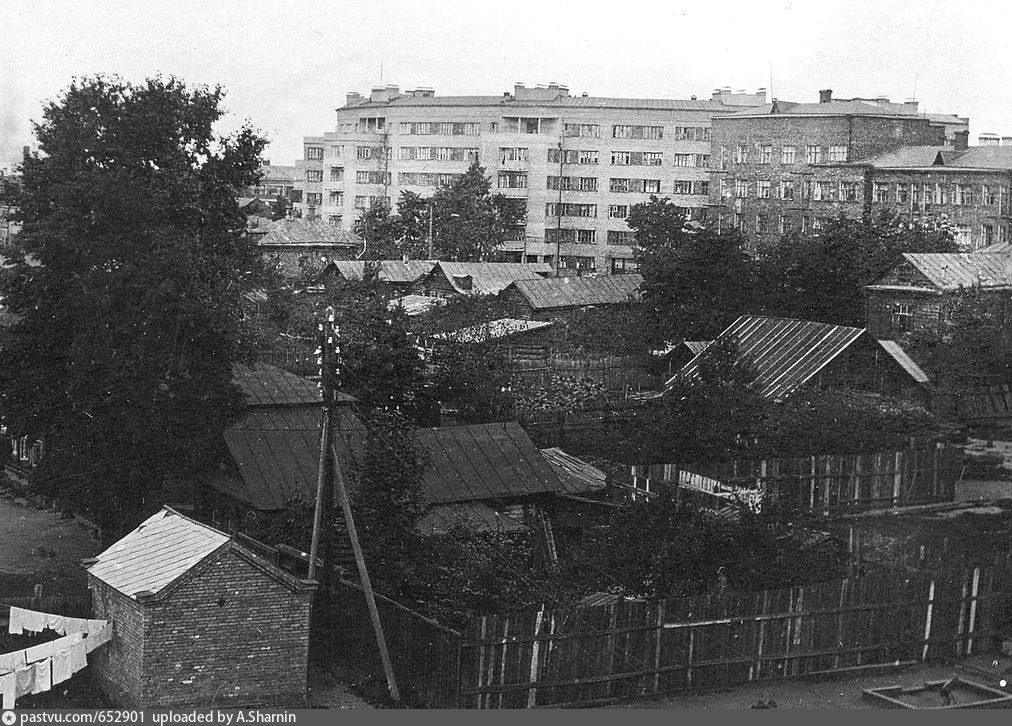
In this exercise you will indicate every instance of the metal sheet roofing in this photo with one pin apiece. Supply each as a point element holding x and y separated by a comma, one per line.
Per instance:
<point>389,270</point>
<point>984,157</point>
<point>955,270</point>
<point>785,353</point>
<point>919,157</point>
<point>415,304</point>
<point>494,330</point>
<point>489,278</point>
<point>851,107</point>
<point>574,471</point>
<point>483,462</point>
<point>304,232</point>
<point>564,292</point>
<point>910,156</point>
<point>895,350</point>
<point>264,384</point>
<point>509,102</point>
<point>277,452</point>
<point>160,550</point>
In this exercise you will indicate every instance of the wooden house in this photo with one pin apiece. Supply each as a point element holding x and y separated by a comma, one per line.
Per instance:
<point>551,297</point>
<point>788,355</point>
<point>448,279</point>
<point>395,277</point>
<point>522,339</point>
<point>198,620</point>
<point>300,247</point>
<point>920,292</point>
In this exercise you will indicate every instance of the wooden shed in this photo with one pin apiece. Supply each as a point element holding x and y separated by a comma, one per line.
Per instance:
<point>198,620</point>
<point>548,298</point>
<point>449,279</point>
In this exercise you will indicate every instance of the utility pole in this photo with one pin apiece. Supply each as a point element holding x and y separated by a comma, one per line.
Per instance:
<point>330,376</point>
<point>430,229</point>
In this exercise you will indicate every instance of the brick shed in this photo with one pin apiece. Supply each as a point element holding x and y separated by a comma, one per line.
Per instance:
<point>198,620</point>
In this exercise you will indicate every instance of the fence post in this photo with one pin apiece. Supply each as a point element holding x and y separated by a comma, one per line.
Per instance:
<point>973,609</point>
<point>897,478</point>
<point>535,652</point>
<point>657,646</point>
<point>927,621</point>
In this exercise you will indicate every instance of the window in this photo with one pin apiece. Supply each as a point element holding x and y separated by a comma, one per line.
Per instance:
<point>652,158</point>
<point>986,234</point>
<point>762,190</point>
<point>372,177</point>
<point>787,189</point>
<point>572,156</point>
<point>966,194</point>
<point>334,220</point>
<point>989,196</point>
<point>740,154</point>
<point>314,199</point>
<point>621,237</point>
<point>513,153</point>
<point>369,202</point>
<point>314,175</point>
<point>902,193</point>
<point>637,132</point>
<point>807,189</point>
<point>578,263</point>
<point>363,153</point>
<point>371,125</point>
<point>570,236</point>
<point>456,153</point>
<point>701,187</point>
<point>765,154</point>
<point>740,188</point>
<point>573,183</point>
<point>902,317</point>
<point>682,187</point>
<point>848,191</point>
<point>940,194</point>
<point>785,224</point>
<point>512,180</point>
<point>684,159</point>
<point>337,173</point>
<point>619,185</point>
<point>440,128</point>
<point>621,158</point>
<point>651,186</point>
<point>838,153</point>
<point>622,266</point>
<point>881,192</point>
<point>568,209</point>
<point>336,199</point>
<point>787,155</point>
<point>813,154</point>
<point>825,191</point>
<point>336,151</point>
<point>806,224</point>
<point>618,211</point>
<point>762,223</point>
<point>640,186</point>
<point>586,131</point>
<point>702,160</point>
<point>587,157</point>
<point>739,221</point>
<point>692,133</point>
<point>314,152</point>
<point>724,190</point>
<point>915,194</point>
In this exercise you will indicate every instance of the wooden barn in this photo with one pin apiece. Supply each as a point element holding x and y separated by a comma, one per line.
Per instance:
<point>789,355</point>
<point>551,297</point>
<point>919,293</point>
<point>198,620</point>
<point>449,279</point>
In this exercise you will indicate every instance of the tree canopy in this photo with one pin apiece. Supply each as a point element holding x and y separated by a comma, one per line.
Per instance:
<point>133,309</point>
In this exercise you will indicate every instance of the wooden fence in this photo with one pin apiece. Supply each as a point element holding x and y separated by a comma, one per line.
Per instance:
<point>614,372</point>
<point>634,649</point>
<point>989,403</point>
<point>828,484</point>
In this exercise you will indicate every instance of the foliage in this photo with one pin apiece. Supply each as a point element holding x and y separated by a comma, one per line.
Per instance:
<point>562,393</point>
<point>658,224</point>
<point>617,329</point>
<point>122,361</point>
<point>820,277</point>
<point>378,227</point>
<point>282,207</point>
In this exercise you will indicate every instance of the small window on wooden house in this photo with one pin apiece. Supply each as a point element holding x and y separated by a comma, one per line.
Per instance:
<point>902,317</point>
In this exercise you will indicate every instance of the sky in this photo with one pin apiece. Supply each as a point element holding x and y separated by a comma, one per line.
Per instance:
<point>285,66</point>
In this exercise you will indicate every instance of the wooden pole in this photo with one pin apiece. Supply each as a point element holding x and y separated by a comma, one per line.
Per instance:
<point>973,610</point>
<point>314,548</point>
<point>927,621</point>
<point>532,695</point>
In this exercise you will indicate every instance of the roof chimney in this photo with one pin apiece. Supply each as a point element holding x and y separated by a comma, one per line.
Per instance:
<point>352,98</point>
<point>826,95</point>
<point>988,139</point>
<point>1006,140</point>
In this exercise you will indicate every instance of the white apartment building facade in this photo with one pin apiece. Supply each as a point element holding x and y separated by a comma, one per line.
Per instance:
<point>576,164</point>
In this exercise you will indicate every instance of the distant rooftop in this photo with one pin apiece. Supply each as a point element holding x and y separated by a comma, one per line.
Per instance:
<point>829,106</point>
<point>921,157</point>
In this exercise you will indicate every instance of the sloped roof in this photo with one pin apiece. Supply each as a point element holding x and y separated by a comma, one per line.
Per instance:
<point>851,107</point>
<point>489,278</point>
<point>494,330</point>
<point>895,350</point>
<point>574,471</point>
<point>922,157</point>
<point>278,173</point>
<point>955,270</point>
<point>910,157</point>
<point>697,346</point>
<point>485,461</point>
<point>785,353</point>
<point>476,516</point>
<point>304,232</point>
<point>160,550</point>
<point>264,384</point>
<point>415,304</point>
<point>985,157</point>
<point>389,270</point>
<point>564,292</point>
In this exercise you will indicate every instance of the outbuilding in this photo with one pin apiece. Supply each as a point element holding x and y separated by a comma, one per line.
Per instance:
<point>198,620</point>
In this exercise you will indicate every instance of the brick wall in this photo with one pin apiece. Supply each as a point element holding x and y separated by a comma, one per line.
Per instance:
<point>117,664</point>
<point>229,636</point>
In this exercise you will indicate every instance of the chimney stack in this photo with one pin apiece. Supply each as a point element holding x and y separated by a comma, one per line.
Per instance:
<point>826,95</point>
<point>1006,140</point>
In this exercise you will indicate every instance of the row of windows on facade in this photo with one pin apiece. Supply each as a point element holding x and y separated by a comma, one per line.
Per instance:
<point>813,154</point>
<point>509,155</point>
<point>522,125</point>
<point>590,184</point>
<point>882,192</point>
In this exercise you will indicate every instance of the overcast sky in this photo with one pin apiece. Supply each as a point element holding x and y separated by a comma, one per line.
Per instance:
<point>287,65</point>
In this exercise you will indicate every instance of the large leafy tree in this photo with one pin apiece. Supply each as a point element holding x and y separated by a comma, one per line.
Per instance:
<point>134,314</point>
<point>470,221</point>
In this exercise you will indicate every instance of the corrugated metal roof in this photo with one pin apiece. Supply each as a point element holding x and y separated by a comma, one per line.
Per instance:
<point>415,304</point>
<point>494,330</point>
<point>697,346</point>
<point>785,353</point>
<point>574,471</point>
<point>303,232</point>
<point>389,270</point>
<point>264,384</point>
<point>489,278</point>
<point>955,270</point>
<point>476,516</point>
<point>159,551</point>
<point>895,350</point>
<point>485,461</point>
<point>563,292</point>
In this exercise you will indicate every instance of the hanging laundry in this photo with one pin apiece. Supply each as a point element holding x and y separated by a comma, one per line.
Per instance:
<point>33,621</point>
<point>73,625</point>
<point>78,657</point>
<point>25,681</point>
<point>95,626</point>
<point>14,626</point>
<point>43,675</point>
<point>103,636</point>
<point>12,661</point>
<point>54,622</point>
<point>62,667</point>
<point>8,689</point>
<point>46,650</point>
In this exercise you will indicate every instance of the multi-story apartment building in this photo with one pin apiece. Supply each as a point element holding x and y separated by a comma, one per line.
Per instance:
<point>576,164</point>
<point>786,167</point>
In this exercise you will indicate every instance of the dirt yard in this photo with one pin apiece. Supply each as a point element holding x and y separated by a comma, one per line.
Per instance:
<point>37,547</point>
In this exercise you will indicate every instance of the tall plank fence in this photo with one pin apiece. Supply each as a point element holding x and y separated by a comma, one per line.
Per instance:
<point>614,372</point>
<point>828,484</point>
<point>635,649</point>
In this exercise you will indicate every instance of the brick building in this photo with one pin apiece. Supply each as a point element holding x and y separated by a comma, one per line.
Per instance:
<point>575,164</point>
<point>785,167</point>
<point>198,620</point>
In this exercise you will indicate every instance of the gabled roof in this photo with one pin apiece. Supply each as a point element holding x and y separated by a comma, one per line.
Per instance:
<point>278,173</point>
<point>475,516</point>
<point>923,157</point>
<point>895,350</point>
<point>785,353</point>
<point>955,270</point>
<point>494,330</point>
<point>575,471</point>
<point>563,292</point>
<point>302,232</point>
<point>413,305</point>
<point>485,462</point>
<point>264,384</point>
<point>985,157</point>
<point>396,271</point>
<point>488,278</point>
